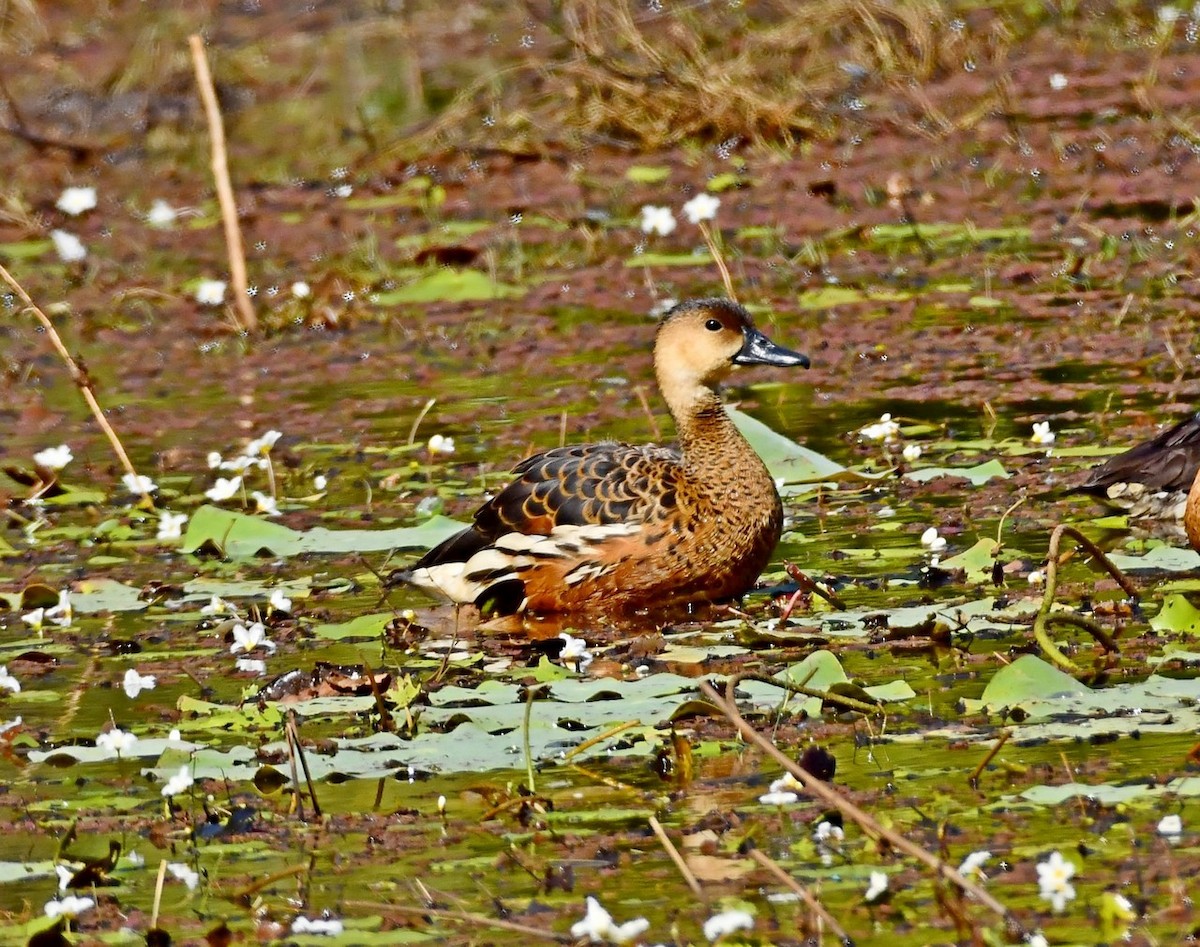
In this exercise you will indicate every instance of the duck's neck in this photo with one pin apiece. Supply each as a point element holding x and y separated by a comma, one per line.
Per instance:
<point>707,435</point>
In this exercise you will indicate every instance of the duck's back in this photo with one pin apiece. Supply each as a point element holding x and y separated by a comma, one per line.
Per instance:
<point>609,527</point>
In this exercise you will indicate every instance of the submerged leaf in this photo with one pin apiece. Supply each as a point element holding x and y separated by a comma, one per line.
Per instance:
<point>978,475</point>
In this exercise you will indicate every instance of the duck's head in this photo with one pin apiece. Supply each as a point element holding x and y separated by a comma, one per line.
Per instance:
<point>701,340</point>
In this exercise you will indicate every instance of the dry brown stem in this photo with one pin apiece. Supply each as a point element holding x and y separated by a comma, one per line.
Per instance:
<point>220,166</point>
<point>829,796</point>
<point>81,379</point>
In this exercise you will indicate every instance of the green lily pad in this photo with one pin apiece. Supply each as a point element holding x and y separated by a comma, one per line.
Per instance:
<point>647,174</point>
<point>1028,678</point>
<point>670,259</point>
<point>788,461</point>
<point>447,285</point>
<point>978,475</point>
<point>1177,614</point>
<point>239,536</point>
<point>976,561</point>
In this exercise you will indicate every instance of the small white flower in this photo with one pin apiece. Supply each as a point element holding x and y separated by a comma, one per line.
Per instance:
<point>170,525</point>
<point>139,484</point>
<point>62,613</point>
<point>134,683</point>
<point>1168,14</point>
<point>657,220</point>
<point>279,602</point>
<point>76,200</point>
<point>441,804</point>
<point>727,922</point>
<point>778,798</point>
<point>69,906</point>
<point>598,927</point>
<point>320,482</point>
<point>1058,81</point>
<point>65,875</point>
<point>932,541</point>
<point>575,650</point>
<point>213,460</point>
<point>210,292</point>
<point>701,207</point>
<point>251,665</point>
<point>185,874</point>
<point>885,429</point>
<point>161,214</point>
<point>301,289</point>
<point>174,736</point>
<point>911,452</point>
<point>1037,940</point>
<point>243,463</point>
<point>972,865</point>
<point>877,885</point>
<point>263,445</point>
<point>440,445</point>
<point>1036,578</point>
<point>70,248</point>
<point>317,925</point>
<point>116,742</point>
<point>826,832</point>
<point>7,681</point>
<point>54,458</point>
<point>1042,433</point>
<point>1054,880</point>
<point>217,606</point>
<point>34,618</point>
<point>247,639</point>
<point>1170,825</point>
<point>224,488</point>
<point>180,782</point>
<point>265,504</point>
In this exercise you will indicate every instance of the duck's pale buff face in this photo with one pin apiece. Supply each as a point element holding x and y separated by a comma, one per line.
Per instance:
<point>695,348</point>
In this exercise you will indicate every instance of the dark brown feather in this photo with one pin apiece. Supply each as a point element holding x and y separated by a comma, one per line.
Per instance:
<point>1166,463</point>
<point>588,485</point>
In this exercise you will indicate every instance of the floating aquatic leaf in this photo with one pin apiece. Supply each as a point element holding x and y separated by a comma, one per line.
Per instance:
<point>363,626</point>
<point>726,181</point>
<point>1177,614</point>
<point>702,258</point>
<point>1028,678</point>
<point>240,536</point>
<point>448,285</point>
<point>787,460</point>
<point>1109,795</point>
<point>976,562</point>
<point>978,475</point>
<point>106,595</point>
<point>829,296</point>
<point>647,174</point>
<point>1159,558</point>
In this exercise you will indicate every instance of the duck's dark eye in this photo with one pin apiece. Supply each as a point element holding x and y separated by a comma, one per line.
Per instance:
<point>713,325</point>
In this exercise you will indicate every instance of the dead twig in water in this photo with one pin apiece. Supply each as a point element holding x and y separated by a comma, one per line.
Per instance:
<point>293,734</point>
<point>462,917</point>
<point>825,696</point>
<point>973,782</point>
<point>807,585</point>
<point>827,795</point>
<point>669,846</point>
<point>220,168</point>
<point>803,893</point>
<point>84,383</point>
<point>1045,618</point>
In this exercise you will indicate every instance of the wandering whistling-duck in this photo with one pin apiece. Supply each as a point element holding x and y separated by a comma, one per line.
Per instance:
<point>1152,479</point>
<point>611,527</point>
